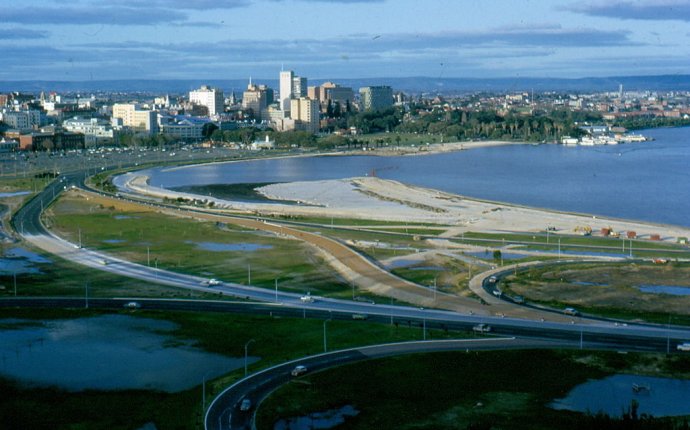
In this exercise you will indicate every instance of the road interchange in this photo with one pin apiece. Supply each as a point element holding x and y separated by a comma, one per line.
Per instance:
<point>568,331</point>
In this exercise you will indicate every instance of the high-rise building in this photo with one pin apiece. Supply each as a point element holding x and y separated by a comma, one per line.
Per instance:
<point>131,115</point>
<point>286,89</point>
<point>299,87</point>
<point>376,98</point>
<point>335,93</point>
<point>212,98</point>
<point>305,112</point>
<point>256,99</point>
<point>314,93</point>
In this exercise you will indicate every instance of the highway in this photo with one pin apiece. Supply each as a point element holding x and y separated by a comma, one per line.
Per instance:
<point>575,331</point>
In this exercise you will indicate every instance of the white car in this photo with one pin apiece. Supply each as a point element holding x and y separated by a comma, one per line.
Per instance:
<point>132,305</point>
<point>213,282</point>
<point>307,298</point>
<point>299,370</point>
<point>481,328</point>
<point>685,346</point>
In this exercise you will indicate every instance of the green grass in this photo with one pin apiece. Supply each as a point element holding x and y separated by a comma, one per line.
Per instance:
<point>606,289</point>
<point>59,277</point>
<point>443,390</point>
<point>327,221</point>
<point>276,340</point>
<point>172,243</point>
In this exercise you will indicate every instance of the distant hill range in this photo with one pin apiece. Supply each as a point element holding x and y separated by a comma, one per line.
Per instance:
<point>410,85</point>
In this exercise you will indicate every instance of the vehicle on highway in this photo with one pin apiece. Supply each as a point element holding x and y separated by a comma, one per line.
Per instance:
<point>497,292</point>
<point>104,262</point>
<point>481,328</point>
<point>518,299</point>
<point>299,370</point>
<point>132,305</point>
<point>685,346</point>
<point>213,282</point>
<point>571,311</point>
<point>246,404</point>
<point>307,298</point>
<point>359,316</point>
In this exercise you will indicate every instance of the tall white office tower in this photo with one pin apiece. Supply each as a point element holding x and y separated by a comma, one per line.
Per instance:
<point>286,89</point>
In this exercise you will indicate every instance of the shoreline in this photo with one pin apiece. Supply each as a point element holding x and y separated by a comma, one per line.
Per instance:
<point>378,199</point>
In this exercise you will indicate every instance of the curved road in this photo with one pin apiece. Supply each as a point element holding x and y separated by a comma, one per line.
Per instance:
<point>27,222</point>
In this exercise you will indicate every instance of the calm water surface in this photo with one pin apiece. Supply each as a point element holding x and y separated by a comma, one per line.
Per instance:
<point>108,352</point>
<point>612,395</point>
<point>645,181</point>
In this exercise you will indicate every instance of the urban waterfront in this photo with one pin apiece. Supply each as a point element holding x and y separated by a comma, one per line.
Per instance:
<point>646,181</point>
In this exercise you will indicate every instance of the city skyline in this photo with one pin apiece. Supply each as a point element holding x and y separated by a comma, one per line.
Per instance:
<point>234,39</point>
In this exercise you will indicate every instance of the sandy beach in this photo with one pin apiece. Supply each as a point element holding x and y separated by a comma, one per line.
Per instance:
<point>379,199</point>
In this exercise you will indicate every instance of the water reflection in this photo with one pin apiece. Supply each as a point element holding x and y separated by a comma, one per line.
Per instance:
<point>613,395</point>
<point>107,352</point>
<point>317,420</point>
<point>673,290</point>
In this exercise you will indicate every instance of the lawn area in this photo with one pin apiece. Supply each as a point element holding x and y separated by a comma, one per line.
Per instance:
<point>459,390</point>
<point>181,244</point>
<point>276,340</point>
<point>579,244</point>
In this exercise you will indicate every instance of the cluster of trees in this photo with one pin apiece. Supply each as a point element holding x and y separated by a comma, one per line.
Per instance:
<point>636,123</point>
<point>488,124</point>
<point>143,139</point>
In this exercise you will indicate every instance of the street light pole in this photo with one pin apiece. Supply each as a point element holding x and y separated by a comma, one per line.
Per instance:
<point>86,295</point>
<point>276,282</point>
<point>325,345</point>
<point>246,348</point>
<point>203,393</point>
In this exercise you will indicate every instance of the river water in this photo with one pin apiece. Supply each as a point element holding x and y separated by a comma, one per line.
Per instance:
<point>647,181</point>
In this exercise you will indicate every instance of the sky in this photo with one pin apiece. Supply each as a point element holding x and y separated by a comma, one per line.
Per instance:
<point>79,40</point>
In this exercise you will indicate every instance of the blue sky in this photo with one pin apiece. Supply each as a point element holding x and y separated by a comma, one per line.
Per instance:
<point>231,39</point>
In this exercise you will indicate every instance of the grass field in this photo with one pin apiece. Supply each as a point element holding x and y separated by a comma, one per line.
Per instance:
<point>458,390</point>
<point>187,245</point>
<point>610,289</point>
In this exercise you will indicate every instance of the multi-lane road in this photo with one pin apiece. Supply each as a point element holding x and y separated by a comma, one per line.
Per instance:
<point>580,332</point>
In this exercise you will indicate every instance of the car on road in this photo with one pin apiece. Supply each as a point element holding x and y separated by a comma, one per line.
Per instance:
<point>481,328</point>
<point>132,305</point>
<point>299,370</point>
<point>571,311</point>
<point>685,346</point>
<point>213,282</point>
<point>246,404</point>
<point>307,298</point>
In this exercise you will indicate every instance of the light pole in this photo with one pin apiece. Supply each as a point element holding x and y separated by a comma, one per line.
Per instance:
<point>276,290</point>
<point>86,295</point>
<point>246,348</point>
<point>203,393</point>
<point>559,247</point>
<point>249,274</point>
<point>325,344</point>
<point>668,335</point>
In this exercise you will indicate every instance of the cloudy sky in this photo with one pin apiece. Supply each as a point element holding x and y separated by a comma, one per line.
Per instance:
<point>229,39</point>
